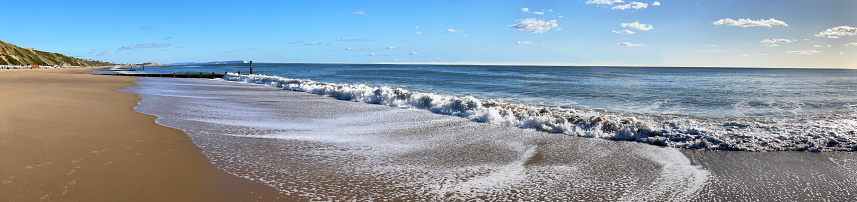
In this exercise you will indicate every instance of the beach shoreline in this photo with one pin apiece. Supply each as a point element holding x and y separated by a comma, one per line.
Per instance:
<point>70,136</point>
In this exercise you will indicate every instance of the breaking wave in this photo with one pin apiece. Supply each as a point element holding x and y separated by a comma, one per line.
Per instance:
<point>794,133</point>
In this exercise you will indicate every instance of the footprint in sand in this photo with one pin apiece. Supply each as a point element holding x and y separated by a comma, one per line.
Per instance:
<point>45,197</point>
<point>138,153</point>
<point>65,190</point>
<point>8,180</point>
<point>73,182</point>
<point>108,163</point>
<point>74,169</point>
<point>99,151</point>
<point>76,161</point>
<point>39,165</point>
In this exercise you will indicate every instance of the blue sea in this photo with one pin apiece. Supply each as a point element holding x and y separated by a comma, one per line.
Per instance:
<point>750,109</point>
<point>330,132</point>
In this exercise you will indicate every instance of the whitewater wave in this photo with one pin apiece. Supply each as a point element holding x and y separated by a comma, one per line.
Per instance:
<point>796,133</point>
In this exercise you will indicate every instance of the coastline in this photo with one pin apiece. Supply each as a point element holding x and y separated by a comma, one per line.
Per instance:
<point>69,136</point>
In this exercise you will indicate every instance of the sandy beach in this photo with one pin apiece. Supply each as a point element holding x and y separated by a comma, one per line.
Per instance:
<point>69,136</point>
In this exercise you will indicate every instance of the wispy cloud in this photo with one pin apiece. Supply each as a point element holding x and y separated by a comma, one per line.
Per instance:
<point>709,45</point>
<point>656,3</point>
<point>413,53</point>
<point>629,44</point>
<point>848,44</point>
<point>139,46</point>
<point>347,39</point>
<point>146,27</point>
<point>624,32</point>
<point>638,26</point>
<point>358,12</point>
<point>823,46</point>
<point>523,42</point>
<point>804,52</point>
<point>605,2</point>
<point>775,42</point>
<point>712,51</point>
<point>838,31</point>
<point>418,33</point>
<point>167,38</point>
<point>635,5</point>
<point>312,43</point>
<point>746,22</point>
<point>533,25</point>
<point>452,31</point>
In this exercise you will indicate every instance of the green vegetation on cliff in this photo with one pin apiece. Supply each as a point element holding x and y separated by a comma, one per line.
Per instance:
<point>13,55</point>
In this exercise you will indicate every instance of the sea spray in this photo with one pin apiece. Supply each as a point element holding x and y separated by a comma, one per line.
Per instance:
<point>798,133</point>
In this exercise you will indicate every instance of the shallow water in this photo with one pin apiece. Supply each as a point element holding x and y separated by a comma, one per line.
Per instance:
<point>323,148</point>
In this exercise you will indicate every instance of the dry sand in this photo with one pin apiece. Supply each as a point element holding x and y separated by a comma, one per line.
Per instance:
<point>68,136</point>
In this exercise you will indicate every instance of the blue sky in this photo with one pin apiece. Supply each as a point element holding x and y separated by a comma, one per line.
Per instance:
<point>791,33</point>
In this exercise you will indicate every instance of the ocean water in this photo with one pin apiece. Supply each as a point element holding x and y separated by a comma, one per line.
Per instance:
<point>751,109</point>
<point>320,147</point>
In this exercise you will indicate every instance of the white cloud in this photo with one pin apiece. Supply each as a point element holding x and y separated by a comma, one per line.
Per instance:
<point>413,53</point>
<point>138,46</point>
<point>606,2</point>
<point>822,46</point>
<point>358,12</point>
<point>712,51</point>
<point>746,22</point>
<point>538,13</point>
<point>390,48</point>
<point>832,37</point>
<point>418,33</point>
<point>533,25</point>
<point>629,44</point>
<point>656,3</point>
<point>762,54</point>
<point>804,52</point>
<point>776,41</point>
<point>375,54</point>
<point>417,27</point>
<point>312,43</point>
<point>346,39</point>
<point>841,53</point>
<point>523,42</point>
<point>848,44</point>
<point>452,31</point>
<point>624,32</point>
<point>709,45</point>
<point>635,5</point>
<point>838,31</point>
<point>525,10</point>
<point>638,26</point>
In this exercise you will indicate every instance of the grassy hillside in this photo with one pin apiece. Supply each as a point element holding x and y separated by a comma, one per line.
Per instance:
<point>14,55</point>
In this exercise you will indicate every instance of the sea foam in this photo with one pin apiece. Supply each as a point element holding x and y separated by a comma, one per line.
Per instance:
<point>795,133</point>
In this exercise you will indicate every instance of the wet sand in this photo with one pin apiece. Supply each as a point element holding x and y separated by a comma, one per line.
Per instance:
<point>68,136</point>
